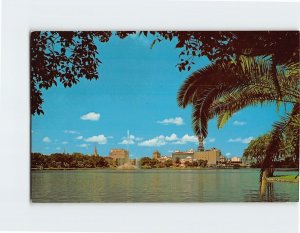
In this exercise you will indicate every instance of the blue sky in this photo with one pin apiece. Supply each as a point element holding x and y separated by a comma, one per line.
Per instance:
<point>136,93</point>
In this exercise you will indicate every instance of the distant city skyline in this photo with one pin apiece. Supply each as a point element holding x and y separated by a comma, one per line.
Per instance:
<point>136,92</point>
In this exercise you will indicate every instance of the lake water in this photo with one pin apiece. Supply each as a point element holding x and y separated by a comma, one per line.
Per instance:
<point>157,185</point>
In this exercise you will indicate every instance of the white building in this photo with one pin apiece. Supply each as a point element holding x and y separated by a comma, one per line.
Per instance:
<point>235,159</point>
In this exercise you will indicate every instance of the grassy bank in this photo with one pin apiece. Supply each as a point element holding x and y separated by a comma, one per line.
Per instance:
<point>291,179</point>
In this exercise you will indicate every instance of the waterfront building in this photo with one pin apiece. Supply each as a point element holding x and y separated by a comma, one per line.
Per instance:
<point>211,156</point>
<point>182,154</point>
<point>120,156</point>
<point>235,159</point>
<point>189,159</point>
<point>156,154</point>
<point>223,159</point>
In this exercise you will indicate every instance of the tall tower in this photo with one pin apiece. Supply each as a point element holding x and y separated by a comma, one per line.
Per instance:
<point>156,154</point>
<point>201,146</point>
<point>95,151</point>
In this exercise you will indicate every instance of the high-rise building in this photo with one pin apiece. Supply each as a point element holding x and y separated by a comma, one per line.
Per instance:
<point>120,156</point>
<point>212,156</point>
<point>182,154</point>
<point>156,155</point>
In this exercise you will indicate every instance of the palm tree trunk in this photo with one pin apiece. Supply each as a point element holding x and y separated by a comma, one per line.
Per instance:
<point>263,183</point>
<point>266,171</point>
<point>200,141</point>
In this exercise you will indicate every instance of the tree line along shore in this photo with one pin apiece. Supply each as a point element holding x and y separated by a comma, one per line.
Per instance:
<point>65,161</point>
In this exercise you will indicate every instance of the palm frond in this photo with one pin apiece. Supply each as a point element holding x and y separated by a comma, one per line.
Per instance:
<point>223,118</point>
<point>222,89</point>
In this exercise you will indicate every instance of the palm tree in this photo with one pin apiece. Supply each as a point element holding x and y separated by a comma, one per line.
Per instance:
<point>288,126</point>
<point>287,130</point>
<point>221,89</point>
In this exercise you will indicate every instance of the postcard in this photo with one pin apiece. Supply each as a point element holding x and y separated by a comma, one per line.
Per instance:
<point>164,116</point>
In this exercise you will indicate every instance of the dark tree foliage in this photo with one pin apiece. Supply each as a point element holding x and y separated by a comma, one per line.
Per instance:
<point>62,57</point>
<point>222,46</point>
<point>149,162</point>
<point>59,160</point>
<point>168,163</point>
<point>68,56</point>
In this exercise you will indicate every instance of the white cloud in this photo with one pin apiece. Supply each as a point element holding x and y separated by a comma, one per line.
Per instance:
<point>242,140</point>
<point>187,139</point>
<point>128,140</point>
<point>235,140</point>
<point>79,137</point>
<point>100,139</point>
<point>71,131</point>
<point>211,140</point>
<point>64,142</point>
<point>157,141</point>
<point>239,123</point>
<point>247,140</point>
<point>46,139</point>
<point>228,154</point>
<point>91,116</point>
<point>173,121</point>
<point>84,145</point>
<point>173,139</point>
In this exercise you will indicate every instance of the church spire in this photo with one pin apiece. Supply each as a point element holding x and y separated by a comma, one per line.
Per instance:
<point>95,151</point>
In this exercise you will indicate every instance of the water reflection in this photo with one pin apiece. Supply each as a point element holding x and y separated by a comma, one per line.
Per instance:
<point>267,191</point>
<point>273,192</point>
<point>157,185</point>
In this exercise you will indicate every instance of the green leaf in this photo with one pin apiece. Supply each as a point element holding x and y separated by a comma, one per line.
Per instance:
<point>222,119</point>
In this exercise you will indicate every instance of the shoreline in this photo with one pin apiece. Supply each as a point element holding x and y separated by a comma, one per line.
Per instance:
<point>166,168</point>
